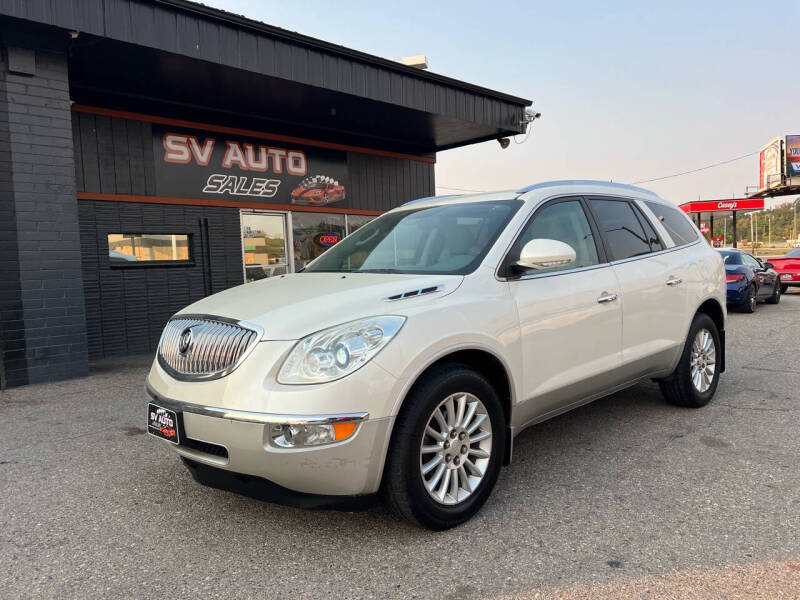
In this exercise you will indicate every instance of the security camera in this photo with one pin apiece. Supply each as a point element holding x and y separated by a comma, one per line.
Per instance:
<point>504,142</point>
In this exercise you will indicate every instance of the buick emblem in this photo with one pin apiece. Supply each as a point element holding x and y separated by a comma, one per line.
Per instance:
<point>185,341</point>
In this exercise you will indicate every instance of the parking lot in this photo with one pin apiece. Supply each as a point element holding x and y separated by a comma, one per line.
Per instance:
<point>628,491</point>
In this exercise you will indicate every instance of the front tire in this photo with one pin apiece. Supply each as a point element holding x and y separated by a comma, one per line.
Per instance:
<point>446,449</point>
<point>694,381</point>
<point>784,288</point>
<point>775,298</point>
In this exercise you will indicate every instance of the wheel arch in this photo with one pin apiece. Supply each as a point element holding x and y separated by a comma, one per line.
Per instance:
<point>483,361</point>
<point>714,310</point>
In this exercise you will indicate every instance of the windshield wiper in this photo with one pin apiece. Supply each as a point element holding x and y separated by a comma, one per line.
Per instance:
<point>375,271</point>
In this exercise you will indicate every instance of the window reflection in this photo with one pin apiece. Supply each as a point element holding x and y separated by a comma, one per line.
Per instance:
<point>130,248</point>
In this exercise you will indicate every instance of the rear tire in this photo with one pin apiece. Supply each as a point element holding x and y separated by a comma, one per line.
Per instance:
<point>775,298</point>
<point>749,305</point>
<point>406,484</point>
<point>694,381</point>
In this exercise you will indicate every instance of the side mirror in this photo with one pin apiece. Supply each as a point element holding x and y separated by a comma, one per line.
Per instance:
<point>544,254</point>
<point>769,265</point>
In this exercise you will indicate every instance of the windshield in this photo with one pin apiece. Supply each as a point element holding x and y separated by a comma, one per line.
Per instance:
<point>794,253</point>
<point>731,258</point>
<point>449,239</point>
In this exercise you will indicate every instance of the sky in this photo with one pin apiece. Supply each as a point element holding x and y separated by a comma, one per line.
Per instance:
<point>628,91</point>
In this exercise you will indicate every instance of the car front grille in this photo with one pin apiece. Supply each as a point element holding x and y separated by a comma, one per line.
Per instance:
<point>199,347</point>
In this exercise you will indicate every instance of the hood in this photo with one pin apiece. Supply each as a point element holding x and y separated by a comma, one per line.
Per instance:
<point>291,306</point>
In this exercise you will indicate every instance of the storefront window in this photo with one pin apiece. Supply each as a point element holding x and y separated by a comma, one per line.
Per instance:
<point>313,233</point>
<point>263,245</point>
<point>135,248</point>
<point>356,221</point>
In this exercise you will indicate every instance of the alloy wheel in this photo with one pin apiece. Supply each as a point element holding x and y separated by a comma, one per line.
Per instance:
<point>703,360</point>
<point>456,448</point>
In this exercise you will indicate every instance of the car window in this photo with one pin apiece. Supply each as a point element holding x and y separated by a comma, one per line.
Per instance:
<point>793,253</point>
<point>675,222</point>
<point>444,239</point>
<point>749,260</point>
<point>622,228</point>
<point>564,221</point>
<point>731,258</point>
<point>650,232</point>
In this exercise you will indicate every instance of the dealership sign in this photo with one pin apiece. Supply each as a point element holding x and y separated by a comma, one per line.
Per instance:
<point>723,205</point>
<point>198,164</point>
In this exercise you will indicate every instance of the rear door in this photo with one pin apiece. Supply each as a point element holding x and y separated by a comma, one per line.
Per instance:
<point>653,285</point>
<point>570,317</point>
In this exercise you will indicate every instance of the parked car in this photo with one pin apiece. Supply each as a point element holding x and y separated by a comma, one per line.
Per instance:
<point>788,269</point>
<point>749,280</point>
<point>406,358</point>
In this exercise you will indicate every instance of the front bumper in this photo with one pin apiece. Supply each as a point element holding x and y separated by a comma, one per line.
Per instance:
<point>239,441</point>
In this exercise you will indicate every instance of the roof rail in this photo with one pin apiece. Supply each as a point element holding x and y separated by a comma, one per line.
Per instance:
<point>417,200</point>
<point>610,184</point>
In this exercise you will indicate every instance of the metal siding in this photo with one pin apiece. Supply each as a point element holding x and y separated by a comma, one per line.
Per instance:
<point>122,159</point>
<point>117,20</point>
<point>267,55</point>
<point>143,24</point>
<point>170,29</point>
<point>105,155</point>
<point>166,29</point>
<point>209,41</point>
<point>188,34</point>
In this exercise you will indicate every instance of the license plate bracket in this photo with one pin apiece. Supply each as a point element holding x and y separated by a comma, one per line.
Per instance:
<point>163,423</point>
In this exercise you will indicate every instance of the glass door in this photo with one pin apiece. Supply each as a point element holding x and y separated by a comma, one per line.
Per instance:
<point>264,245</point>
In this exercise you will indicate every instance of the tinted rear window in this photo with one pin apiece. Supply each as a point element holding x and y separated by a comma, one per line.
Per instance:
<point>731,258</point>
<point>675,222</point>
<point>624,233</point>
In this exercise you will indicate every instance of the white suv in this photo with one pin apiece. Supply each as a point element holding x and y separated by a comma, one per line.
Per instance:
<point>406,358</point>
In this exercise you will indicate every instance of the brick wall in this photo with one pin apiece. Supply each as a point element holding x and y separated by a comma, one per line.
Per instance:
<point>43,317</point>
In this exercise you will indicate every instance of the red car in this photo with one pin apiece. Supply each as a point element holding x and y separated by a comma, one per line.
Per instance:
<point>788,268</point>
<point>318,191</point>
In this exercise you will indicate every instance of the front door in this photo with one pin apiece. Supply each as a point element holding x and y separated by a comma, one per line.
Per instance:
<point>570,316</point>
<point>264,247</point>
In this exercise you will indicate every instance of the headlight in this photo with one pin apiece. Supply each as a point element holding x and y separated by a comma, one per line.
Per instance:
<point>338,351</point>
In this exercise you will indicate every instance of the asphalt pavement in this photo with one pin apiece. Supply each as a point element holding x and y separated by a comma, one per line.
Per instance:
<point>618,498</point>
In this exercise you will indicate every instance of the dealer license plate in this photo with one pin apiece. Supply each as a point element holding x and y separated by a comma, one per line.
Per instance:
<point>163,423</point>
<point>786,275</point>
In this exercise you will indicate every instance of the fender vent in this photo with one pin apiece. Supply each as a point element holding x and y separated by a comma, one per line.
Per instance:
<point>414,293</point>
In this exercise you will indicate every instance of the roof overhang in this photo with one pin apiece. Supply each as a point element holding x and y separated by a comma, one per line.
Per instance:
<point>187,60</point>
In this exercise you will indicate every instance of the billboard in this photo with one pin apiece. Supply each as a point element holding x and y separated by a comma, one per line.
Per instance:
<point>770,165</point>
<point>192,163</point>
<point>792,149</point>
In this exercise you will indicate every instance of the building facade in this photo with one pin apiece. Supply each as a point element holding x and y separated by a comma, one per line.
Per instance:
<point>155,152</point>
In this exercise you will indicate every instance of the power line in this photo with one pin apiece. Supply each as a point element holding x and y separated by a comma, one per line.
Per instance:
<point>719,164</point>
<point>724,162</point>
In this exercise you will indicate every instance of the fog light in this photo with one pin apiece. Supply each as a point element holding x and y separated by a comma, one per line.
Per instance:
<point>297,436</point>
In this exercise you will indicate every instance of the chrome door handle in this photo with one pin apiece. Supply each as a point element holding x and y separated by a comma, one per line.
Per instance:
<point>606,297</point>
<point>674,280</point>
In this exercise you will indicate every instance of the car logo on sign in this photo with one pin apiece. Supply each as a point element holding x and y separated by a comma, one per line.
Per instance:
<point>185,341</point>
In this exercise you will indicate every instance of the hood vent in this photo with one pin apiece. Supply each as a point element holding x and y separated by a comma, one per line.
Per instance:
<point>414,293</point>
